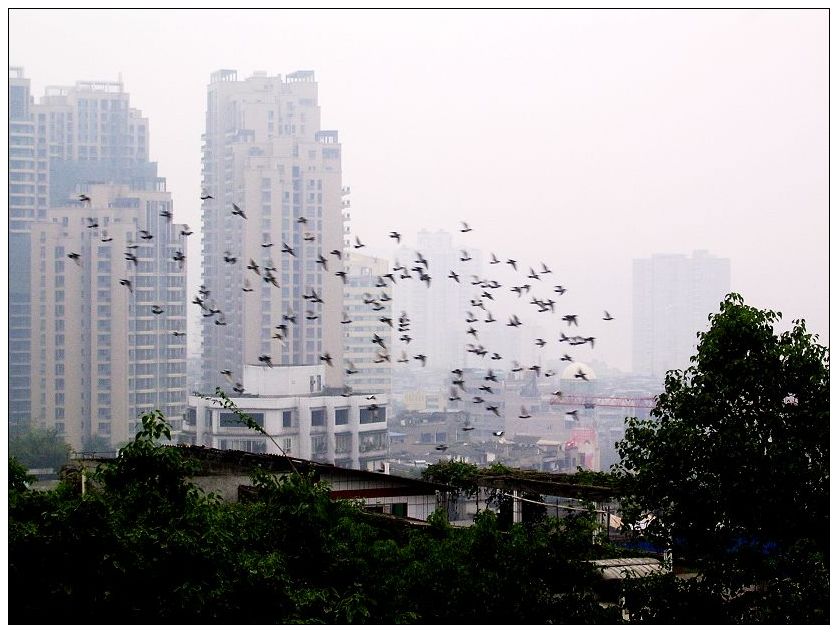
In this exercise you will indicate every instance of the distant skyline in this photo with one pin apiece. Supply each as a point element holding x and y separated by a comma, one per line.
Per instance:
<point>584,139</point>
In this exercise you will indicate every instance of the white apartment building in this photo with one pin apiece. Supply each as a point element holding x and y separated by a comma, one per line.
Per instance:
<point>290,404</point>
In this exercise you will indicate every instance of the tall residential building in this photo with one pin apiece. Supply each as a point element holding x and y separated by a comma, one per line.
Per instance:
<point>368,298</point>
<point>74,135</point>
<point>437,311</point>
<point>673,296</point>
<point>264,152</point>
<point>110,332</point>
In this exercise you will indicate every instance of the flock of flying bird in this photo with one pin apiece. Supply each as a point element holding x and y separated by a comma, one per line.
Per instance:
<point>484,292</point>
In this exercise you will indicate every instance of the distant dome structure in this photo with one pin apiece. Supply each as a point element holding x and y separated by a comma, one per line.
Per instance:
<point>571,370</point>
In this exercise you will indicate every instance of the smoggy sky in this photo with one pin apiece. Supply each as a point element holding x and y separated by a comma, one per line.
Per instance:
<point>583,139</point>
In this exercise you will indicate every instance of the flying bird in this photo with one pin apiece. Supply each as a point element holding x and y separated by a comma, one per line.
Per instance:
<point>524,413</point>
<point>494,409</point>
<point>607,317</point>
<point>156,309</point>
<point>358,243</point>
<point>494,259</point>
<point>466,228</point>
<point>327,358</point>
<point>206,196</point>
<point>238,211</point>
<point>185,231</point>
<point>92,223</point>
<point>570,318</point>
<point>75,257</point>
<point>396,236</point>
<point>264,358</point>
<point>83,198</point>
<point>126,283</point>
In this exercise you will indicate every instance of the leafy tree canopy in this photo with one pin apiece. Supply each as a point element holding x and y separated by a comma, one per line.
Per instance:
<point>733,463</point>
<point>39,448</point>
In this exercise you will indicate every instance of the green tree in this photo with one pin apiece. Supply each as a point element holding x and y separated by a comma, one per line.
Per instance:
<point>733,463</point>
<point>39,448</point>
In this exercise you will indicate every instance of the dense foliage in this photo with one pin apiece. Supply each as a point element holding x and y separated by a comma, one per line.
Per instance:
<point>39,448</point>
<point>733,466</point>
<point>144,545</point>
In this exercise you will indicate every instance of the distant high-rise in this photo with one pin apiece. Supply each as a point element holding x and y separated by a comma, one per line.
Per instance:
<point>438,311</point>
<point>264,152</point>
<point>673,296</point>
<point>108,351</point>
<point>75,135</point>
<point>364,307</point>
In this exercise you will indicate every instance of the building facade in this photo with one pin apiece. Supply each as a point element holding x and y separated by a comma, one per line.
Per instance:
<point>264,151</point>
<point>73,136</point>
<point>364,307</point>
<point>672,298</point>
<point>292,406</point>
<point>108,337</point>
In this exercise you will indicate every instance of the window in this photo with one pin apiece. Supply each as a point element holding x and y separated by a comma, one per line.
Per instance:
<point>287,419</point>
<point>341,416</point>
<point>318,417</point>
<point>369,416</point>
<point>343,443</point>
<point>318,444</point>
<point>227,419</point>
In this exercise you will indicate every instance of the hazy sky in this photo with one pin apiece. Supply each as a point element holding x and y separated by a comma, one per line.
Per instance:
<point>583,139</point>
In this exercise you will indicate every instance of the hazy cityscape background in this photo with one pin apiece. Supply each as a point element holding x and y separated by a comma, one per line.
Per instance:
<point>653,160</point>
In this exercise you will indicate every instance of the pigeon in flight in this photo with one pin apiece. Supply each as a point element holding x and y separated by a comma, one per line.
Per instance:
<point>126,283</point>
<point>454,276</point>
<point>206,196</point>
<point>287,249</point>
<point>514,321</point>
<point>570,318</point>
<point>264,358</point>
<point>84,198</point>
<point>524,413</point>
<point>466,228</point>
<point>92,223</point>
<point>75,257</point>
<point>396,236</point>
<point>327,358</point>
<point>494,409</point>
<point>494,260</point>
<point>156,309</point>
<point>497,433</point>
<point>145,235</point>
<point>465,257</point>
<point>106,237</point>
<point>358,243</point>
<point>607,317</point>
<point>302,220</point>
<point>185,231</point>
<point>512,263</point>
<point>238,211</point>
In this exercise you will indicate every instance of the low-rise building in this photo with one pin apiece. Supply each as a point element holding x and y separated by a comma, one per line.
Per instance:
<point>299,416</point>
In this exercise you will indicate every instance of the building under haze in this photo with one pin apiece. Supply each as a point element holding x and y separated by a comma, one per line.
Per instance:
<point>368,298</point>
<point>437,310</point>
<point>109,337</point>
<point>673,296</point>
<point>75,135</point>
<point>265,152</point>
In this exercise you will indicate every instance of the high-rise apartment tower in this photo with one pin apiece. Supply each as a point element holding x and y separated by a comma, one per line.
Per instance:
<point>265,153</point>
<point>673,296</point>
